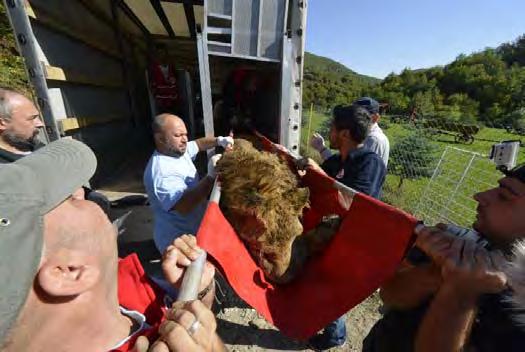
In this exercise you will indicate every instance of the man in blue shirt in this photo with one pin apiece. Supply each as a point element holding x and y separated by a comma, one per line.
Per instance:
<point>356,167</point>
<point>177,196</point>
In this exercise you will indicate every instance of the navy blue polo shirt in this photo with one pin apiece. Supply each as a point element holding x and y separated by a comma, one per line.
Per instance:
<point>363,170</point>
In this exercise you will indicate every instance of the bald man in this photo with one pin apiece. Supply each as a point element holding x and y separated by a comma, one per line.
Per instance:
<point>176,194</point>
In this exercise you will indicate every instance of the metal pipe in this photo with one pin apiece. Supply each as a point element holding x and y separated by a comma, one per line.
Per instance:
<point>189,290</point>
<point>215,195</point>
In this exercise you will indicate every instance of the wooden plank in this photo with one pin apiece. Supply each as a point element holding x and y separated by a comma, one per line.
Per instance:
<point>189,2</point>
<point>132,16</point>
<point>62,28</point>
<point>129,35</point>
<point>75,123</point>
<point>163,18</point>
<point>190,18</point>
<point>53,73</point>
<point>146,14</point>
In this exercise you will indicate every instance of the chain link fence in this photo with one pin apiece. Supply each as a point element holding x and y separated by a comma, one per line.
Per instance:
<point>435,165</point>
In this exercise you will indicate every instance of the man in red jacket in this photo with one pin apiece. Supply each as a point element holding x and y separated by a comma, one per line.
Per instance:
<point>63,287</point>
<point>163,82</point>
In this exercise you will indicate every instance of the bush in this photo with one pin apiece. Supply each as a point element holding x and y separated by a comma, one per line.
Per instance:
<point>412,157</point>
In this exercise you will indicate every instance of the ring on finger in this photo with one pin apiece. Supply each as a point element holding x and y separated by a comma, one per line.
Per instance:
<point>194,327</point>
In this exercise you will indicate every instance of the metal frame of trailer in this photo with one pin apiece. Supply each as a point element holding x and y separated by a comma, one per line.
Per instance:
<point>86,60</point>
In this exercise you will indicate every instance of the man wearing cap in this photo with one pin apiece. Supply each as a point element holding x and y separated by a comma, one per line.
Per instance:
<point>63,287</point>
<point>456,299</point>
<point>176,194</point>
<point>355,167</point>
<point>376,141</point>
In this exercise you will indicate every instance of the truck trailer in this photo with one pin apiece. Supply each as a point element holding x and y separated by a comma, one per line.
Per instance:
<point>87,62</point>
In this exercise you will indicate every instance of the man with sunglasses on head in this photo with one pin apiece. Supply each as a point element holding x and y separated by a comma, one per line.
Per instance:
<point>456,298</point>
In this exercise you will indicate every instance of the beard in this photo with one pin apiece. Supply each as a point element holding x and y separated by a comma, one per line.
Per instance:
<point>175,152</point>
<point>21,143</point>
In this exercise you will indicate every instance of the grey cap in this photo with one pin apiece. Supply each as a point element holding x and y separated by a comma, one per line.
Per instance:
<point>30,188</point>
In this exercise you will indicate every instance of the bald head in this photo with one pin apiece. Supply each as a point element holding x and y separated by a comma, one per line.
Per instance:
<point>171,136</point>
<point>161,121</point>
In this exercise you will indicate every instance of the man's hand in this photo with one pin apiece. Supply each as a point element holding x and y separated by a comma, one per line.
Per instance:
<point>317,142</point>
<point>470,270</point>
<point>189,327</point>
<point>225,142</point>
<point>435,242</point>
<point>178,256</point>
<point>309,164</point>
<point>211,165</point>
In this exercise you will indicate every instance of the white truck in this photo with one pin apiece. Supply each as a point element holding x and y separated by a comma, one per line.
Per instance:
<point>87,61</point>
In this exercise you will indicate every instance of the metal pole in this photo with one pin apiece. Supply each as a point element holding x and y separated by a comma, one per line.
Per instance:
<point>189,289</point>
<point>434,175</point>
<point>309,128</point>
<point>458,184</point>
<point>27,46</point>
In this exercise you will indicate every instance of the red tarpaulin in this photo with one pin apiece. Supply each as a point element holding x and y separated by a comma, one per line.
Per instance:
<point>365,252</point>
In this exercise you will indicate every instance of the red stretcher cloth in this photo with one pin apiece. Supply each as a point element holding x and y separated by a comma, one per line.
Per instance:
<point>371,242</point>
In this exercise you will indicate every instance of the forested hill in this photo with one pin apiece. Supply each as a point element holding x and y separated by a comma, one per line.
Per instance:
<point>328,82</point>
<point>486,87</point>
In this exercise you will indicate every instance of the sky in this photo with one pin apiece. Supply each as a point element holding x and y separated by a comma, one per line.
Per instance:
<point>377,37</point>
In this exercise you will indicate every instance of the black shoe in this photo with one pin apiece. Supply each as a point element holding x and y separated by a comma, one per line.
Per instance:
<point>321,342</point>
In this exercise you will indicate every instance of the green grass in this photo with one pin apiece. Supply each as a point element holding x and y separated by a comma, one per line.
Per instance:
<point>461,209</point>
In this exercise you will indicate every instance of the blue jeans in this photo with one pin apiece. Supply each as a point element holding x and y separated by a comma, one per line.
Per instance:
<point>335,332</point>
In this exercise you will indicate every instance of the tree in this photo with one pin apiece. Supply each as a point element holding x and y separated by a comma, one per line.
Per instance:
<point>412,157</point>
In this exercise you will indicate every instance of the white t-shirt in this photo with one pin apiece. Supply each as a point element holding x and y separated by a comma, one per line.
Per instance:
<point>377,142</point>
<point>166,178</point>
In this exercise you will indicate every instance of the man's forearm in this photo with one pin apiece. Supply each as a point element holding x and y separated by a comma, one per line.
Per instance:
<point>193,197</point>
<point>206,143</point>
<point>447,323</point>
<point>410,286</point>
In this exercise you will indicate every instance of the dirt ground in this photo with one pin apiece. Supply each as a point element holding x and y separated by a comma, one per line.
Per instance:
<point>241,328</point>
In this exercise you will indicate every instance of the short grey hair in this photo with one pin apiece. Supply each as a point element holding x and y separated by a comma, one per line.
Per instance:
<point>158,123</point>
<point>5,106</point>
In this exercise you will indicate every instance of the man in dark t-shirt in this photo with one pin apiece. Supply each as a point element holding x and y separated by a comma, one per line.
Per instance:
<point>355,167</point>
<point>457,298</point>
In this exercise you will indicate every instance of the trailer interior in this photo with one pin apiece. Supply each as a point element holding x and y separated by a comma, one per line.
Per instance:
<point>89,63</point>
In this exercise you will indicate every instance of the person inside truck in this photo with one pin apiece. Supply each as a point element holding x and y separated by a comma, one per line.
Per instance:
<point>356,167</point>
<point>63,286</point>
<point>163,82</point>
<point>20,126</point>
<point>248,103</point>
<point>456,298</point>
<point>176,193</point>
